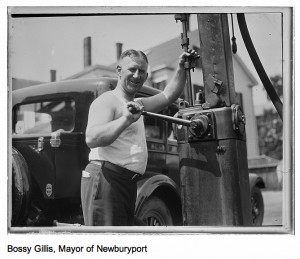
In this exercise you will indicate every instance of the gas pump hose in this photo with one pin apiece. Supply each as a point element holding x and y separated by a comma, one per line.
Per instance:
<point>258,65</point>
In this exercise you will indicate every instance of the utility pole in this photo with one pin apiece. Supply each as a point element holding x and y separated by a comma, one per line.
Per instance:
<point>213,158</point>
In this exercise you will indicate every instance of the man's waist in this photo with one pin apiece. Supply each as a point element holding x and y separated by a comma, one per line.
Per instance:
<point>116,168</point>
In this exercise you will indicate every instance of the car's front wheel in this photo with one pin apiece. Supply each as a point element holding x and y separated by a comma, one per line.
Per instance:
<point>257,205</point>
<point>155,212</point>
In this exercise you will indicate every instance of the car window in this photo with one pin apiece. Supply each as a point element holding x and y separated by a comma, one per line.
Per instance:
<point>153,127</point>
<point>45,117</point>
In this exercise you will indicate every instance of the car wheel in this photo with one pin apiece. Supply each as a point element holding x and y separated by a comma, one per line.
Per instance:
<point>28,205</point>
<point>155,213</point>
<point>21,189</point>
<point>257,204</point>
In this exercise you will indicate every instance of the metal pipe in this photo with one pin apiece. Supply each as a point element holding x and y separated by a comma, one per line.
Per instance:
<point>188,71</point>
<point>87,51</point>
<point>119,49</point>
<point>52,75</point>
<point>184,18</point>
<point>168,118</point>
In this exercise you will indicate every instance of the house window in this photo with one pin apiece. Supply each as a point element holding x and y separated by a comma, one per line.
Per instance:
<point>153,127</point>
<point>160,82</point>
<point>160,85</point>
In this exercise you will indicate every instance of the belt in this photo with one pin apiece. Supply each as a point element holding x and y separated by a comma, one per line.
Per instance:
<point>116,168</point>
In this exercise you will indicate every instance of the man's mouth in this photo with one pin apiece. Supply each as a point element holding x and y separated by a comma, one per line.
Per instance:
<point>135,82</point>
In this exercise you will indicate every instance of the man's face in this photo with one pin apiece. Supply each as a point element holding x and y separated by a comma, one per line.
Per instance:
<point>132,72</point>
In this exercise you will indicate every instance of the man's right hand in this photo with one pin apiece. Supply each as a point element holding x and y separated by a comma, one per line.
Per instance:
<point>132,111</point>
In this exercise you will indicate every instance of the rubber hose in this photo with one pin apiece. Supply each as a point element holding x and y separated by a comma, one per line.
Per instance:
<point>258,65</point>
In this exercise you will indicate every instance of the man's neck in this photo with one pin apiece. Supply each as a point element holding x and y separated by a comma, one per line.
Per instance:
<point>121,93</point>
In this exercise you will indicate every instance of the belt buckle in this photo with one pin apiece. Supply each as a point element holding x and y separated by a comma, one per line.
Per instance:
<point>99,163</point>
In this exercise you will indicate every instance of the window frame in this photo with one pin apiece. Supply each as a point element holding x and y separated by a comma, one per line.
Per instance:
<point>32,102</point>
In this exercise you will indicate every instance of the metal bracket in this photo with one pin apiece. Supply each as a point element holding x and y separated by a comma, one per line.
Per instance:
<point>55,140</point>
<point>214,84</point>
<point>221,149</point>
<point>40,144</point>
<point>181,17</point>
<point>238,119</point>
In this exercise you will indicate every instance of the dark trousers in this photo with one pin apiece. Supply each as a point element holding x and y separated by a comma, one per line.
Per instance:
<point>108,198</point>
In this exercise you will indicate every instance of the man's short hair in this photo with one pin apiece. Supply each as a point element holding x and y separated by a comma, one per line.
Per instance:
<point>134,53</point>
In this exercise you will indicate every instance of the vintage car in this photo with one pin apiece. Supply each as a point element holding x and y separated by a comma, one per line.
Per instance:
<point>49,153</point>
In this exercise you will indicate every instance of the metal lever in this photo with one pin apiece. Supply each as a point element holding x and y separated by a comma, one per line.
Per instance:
<point>194,124</point>
<point>134,109</point>
<point>169,118</point>
<point>198,126</point>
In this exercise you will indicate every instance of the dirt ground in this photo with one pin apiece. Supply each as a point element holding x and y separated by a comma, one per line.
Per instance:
<point>273,207</point>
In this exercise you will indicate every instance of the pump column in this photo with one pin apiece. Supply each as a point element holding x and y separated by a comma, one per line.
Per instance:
<point>213,162</point>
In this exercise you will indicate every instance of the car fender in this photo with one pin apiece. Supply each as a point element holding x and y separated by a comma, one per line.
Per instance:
<point>156,184</point>
<point>255,180</point>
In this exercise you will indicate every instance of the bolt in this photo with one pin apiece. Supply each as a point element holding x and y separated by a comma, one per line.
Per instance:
<point>221,149</point>
<point>243,119</point>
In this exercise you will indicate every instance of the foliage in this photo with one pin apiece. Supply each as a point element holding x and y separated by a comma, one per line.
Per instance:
<point>270,127</point>
<point>270,134</point>
<point>277,84</point>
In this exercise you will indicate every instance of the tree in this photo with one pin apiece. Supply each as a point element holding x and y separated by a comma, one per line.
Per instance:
<point>277,84</point>
<point>270,127</point>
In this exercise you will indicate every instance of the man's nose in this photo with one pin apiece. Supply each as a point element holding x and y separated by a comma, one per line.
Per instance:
<point>136,74</point>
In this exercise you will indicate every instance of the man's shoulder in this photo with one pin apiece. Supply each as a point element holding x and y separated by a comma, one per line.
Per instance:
<point>106,97</point>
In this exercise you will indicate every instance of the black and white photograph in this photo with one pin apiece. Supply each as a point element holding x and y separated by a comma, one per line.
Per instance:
<point>150,121</point>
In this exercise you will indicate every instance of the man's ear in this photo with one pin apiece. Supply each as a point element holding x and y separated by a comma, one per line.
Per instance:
<point>118,69</point>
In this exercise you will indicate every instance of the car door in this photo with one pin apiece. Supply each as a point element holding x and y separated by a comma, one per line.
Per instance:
<point>68,141</point>
<point>44,134</point>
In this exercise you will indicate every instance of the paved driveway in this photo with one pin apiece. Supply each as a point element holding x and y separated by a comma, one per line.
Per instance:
<point>273,207</point>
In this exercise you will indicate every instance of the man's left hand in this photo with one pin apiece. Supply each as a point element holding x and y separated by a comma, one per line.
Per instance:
<point>191,54</point>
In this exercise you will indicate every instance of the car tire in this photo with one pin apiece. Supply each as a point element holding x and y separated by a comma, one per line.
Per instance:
<point>257,206</point>
<point>21,189</point>
<point>155,212</point>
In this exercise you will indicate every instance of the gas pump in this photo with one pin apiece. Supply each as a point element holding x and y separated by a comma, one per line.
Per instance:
<point>211,135</point>
<point>213,159</point>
